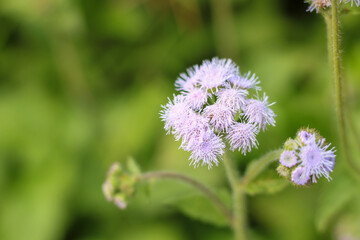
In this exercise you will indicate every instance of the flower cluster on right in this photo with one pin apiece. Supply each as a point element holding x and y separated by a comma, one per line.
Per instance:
<point>323,4</point>
<point>306,158</point>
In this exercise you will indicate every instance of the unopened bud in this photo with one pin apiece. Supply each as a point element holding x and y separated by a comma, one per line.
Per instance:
<point>290,144</point>
<point>120,201</point>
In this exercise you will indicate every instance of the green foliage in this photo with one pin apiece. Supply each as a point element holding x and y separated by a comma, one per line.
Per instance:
<point>334,199</point>
<point>133,167</point>
<point>81,84</point>
<point>259,165</point>
<point>268,182</point>
<point>200,208</point>
<point>265,186</point>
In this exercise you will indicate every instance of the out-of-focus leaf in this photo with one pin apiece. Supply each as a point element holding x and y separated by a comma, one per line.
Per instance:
<point>200,208</point>
<point>132,166</point>
<point>265,186</point>
<point>348,227</point>
<point>334,198</point>
<point>257,166</point>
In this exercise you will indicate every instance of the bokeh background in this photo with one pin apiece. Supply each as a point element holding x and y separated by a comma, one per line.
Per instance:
<point>81,86</point>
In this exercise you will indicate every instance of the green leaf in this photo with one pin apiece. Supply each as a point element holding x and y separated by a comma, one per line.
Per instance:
<point>198,207</point>
<point>266,186</point>
<point>132,166</point>
<point>259,165</point>
<point>336,195</point>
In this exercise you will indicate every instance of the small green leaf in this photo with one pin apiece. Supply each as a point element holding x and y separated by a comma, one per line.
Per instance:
<point>336,195</point>
<point>259,165</point>
<point>132,166</point>
<point>199,207</point>
<point>266,186</point>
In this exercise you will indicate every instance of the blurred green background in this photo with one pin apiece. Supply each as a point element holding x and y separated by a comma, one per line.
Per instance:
<point>81,85</point>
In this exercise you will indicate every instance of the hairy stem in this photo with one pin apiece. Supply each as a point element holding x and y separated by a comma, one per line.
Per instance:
<point>194,183</point>
<point>336,63</point>
<point>238,200</point>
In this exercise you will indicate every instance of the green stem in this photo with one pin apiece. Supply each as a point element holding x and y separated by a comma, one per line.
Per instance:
<point>239,200</point>
<point>194,183</point>
<point>336,63</point>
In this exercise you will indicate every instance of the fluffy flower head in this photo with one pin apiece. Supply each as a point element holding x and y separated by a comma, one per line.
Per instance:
<point>209,150</point>
<point>318,5</point>
<point>247,81</point>
<point>175,112</point>
<point>300,176</point>
<point>196,98</point>
<point>306,137</point>
<point>258,111</point>
<point>310,158</point>
<point>216,72</point>
<point>213,107</point>
<point>220,116</point>
<point>288,158</point>
<point>187,81</point>
<point>232,98</point>
<point>242,136</point>
<point>357,2</point>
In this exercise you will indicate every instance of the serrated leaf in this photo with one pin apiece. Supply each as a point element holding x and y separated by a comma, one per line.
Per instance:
<point>336,195</point>
<point>200,208</point>
<point>265,186</point>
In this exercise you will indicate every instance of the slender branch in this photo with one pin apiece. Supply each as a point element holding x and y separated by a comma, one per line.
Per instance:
<point>240,218</point>
<point>257,166</point>
<point>239,199</point>
<point>336,62</point>
<point>196,184</point>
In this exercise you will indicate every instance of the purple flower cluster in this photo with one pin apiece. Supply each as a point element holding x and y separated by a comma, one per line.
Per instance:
<point>213,107</point>
<point>323,4</point>
<point>306,158</point>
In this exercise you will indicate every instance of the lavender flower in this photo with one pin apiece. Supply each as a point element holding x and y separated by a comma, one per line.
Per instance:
<point>323,4</point>
<point>196,98</point>
<point>306,137</point>
<point>216,72</point>
<point>357,2</point>
<point>300,176</point>
<point>257,111</point>
<point>187,81</point>
<point>248,81</point>
<point>288,158</point>
<point>315,158</point>
<point>318,4</point>
<point>331,162</point>
<point>210,110</point>
<point>220,116</point>
<point>175,112</point>
<point>242,136</point>
<point>232,98</point>
<point>208,150</point>
<point>192,130</point>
